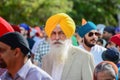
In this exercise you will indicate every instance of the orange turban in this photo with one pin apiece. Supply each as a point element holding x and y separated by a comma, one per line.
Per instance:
<point>66,24</point>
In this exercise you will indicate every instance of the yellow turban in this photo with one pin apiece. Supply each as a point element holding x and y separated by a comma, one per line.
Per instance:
<point>66,23</point>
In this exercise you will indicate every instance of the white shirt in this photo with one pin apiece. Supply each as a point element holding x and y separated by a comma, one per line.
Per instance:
<point>57,71</point>
<point>28,72</point>
<point>97,53</point>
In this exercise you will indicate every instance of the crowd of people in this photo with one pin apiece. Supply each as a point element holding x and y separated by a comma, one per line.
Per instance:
<point>59,50</point>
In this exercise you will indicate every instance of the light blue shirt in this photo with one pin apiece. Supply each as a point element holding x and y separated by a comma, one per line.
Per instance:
<point>28,72</point>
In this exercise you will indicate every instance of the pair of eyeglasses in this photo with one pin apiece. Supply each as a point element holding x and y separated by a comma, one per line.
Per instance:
<point>90,34</point>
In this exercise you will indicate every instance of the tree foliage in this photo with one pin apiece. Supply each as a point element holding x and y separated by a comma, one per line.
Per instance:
<point>33,12</point>
<point>98,11</point>
<point>36,12</point>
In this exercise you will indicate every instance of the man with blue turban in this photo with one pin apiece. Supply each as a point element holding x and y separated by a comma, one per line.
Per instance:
<point>65,61</point>
<point>88,32</point>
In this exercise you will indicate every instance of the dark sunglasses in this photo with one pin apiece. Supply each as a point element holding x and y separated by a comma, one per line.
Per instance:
<point>91,34</point>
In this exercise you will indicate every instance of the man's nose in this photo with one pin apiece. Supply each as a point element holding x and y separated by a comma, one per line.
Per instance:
<point>57,37</point>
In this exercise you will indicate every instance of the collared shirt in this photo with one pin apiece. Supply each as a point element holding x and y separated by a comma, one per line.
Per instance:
<point>97,53</point>
<point>28,72</point>
<point>41,50</point>
<point>2,71</point>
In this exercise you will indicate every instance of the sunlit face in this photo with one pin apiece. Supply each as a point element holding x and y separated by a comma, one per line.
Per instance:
<point>5,55</point>
<point>23,32</point>
<point>91,38</point>
<point>110,44</point>
<point>57,37</point>
<point>59,45</point>
<point>104,76</point>
<point>99,43</point>
<point>106,35</point>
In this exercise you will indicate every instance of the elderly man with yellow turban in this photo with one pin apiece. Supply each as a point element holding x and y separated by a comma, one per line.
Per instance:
<point>65,61</point>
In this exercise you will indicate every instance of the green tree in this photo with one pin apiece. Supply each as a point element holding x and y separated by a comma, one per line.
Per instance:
<point>33,12</point>
<point>98,11</point>
<point>36,12</point>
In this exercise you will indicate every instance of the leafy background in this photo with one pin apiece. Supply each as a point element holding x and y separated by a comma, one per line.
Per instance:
<point>36,12</point>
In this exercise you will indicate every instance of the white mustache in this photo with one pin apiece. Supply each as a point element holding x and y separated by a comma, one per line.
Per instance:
<point>57,42</point>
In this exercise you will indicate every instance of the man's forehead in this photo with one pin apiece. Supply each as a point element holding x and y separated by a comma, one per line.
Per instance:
<point>57,28</point>
<point>21,28</point>
<point>93,31</point>
<point>58,25</point>
<point>3,45</point>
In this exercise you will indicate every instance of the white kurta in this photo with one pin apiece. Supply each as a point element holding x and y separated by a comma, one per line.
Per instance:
<point>96,52</point>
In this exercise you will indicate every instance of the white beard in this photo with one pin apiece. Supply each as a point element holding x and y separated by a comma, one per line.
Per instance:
<point>59,52</point>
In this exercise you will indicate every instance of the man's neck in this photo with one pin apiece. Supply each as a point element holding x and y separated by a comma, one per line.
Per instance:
<point>17,66</point>
<point>86,47</point>
<point>12,73</point>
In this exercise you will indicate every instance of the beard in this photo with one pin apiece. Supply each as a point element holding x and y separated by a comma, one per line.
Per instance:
<point>87,43</point>
<point>2,64</point>
<point>59,50</point>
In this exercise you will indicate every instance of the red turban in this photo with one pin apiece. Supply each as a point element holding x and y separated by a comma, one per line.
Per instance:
<point>5,27</point>
<point>116,39</point>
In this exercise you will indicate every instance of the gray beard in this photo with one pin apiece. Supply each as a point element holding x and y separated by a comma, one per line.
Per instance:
<point>59,54</point>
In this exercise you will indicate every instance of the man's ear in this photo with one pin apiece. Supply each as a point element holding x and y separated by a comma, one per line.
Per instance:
<point>17,52</point>
<point>118,47</point>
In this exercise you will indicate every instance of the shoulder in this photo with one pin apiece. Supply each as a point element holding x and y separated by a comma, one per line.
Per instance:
<point>100,48</point>
<point>38,73</point>
<point>79,51</point>
<point>81,55</point>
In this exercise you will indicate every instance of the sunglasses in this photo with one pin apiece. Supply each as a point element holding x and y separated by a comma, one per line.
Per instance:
<point>90,34</point>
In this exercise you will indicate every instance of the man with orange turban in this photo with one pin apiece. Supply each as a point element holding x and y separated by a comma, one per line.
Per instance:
<point>65,61</point>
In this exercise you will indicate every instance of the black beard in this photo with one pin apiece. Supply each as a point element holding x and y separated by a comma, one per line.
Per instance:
<point>3,65</point>
<point>87,43</point>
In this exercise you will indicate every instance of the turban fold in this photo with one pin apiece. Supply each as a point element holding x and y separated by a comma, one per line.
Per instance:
<point>5,27</point>
<point>84,29</point>
<point>66,24</point>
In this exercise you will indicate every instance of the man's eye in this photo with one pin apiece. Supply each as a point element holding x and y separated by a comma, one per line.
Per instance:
<point>60,33</point>
<point>53,33</point>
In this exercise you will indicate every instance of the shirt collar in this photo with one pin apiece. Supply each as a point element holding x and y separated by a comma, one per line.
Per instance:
<point>92,48</point>
<point>22,73</point>
<point>24,70</point>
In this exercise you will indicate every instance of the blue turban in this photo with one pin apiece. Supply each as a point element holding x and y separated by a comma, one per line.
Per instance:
<point>86,28</point>
<point>25,26</point>
<point>111,54</point>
